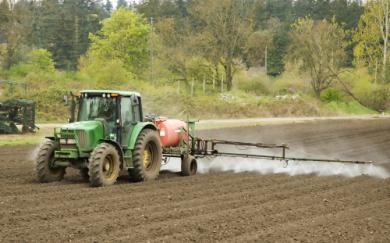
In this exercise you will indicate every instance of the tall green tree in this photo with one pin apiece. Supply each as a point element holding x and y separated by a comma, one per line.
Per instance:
<point>108,6</point>
<point>62,27</point>
<point>5,19</point>
<point>372,37</point>
<point>121,4</point>
<point>15,27</point>
<point>123,37</point>
<point>277,53</point>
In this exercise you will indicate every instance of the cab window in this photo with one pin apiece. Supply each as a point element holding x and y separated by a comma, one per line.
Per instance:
<point>126,111</point>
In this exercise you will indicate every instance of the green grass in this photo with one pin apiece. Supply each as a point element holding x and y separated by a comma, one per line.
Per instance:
<point>349,108</point>
<point>28,138</point>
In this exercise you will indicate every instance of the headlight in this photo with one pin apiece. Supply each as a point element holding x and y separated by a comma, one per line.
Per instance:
<point>67,141</point>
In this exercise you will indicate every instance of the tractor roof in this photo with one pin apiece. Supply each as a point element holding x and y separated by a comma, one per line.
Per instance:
<point>119,92</point>
<point>17,103</point>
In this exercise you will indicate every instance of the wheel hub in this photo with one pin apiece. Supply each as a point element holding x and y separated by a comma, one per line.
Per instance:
<point>146,158</point>
<point>108,167</point>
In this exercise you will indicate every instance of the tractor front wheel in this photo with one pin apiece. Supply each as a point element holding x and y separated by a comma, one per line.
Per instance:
<point>103,166</point>
<point>45,170</point>
<point>147,156</point>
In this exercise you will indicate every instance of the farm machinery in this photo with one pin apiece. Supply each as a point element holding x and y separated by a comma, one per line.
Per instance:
<point>108,133</point>
<point>17,112</point>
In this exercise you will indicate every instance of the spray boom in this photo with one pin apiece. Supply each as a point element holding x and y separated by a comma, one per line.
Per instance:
<point>204,148</point>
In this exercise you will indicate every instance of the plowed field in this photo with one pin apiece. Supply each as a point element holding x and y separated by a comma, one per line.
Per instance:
<point>216,206</point>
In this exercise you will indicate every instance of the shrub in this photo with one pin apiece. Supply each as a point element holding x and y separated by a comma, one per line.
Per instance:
<point>37,61</point>
<point>331,94</point>
<point>256,83</point>
<point>104,73</point>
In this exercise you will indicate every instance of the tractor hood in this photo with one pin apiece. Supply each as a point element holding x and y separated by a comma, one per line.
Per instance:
<point>83,125</point>
<point>86,133</point>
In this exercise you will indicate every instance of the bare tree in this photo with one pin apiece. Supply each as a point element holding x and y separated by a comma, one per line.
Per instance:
<point>225,26</point>
<point>318,47</point>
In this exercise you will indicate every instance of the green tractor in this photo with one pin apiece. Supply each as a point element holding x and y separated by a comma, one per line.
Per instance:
<point>106,134</point>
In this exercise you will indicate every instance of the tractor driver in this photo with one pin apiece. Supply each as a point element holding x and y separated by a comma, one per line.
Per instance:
<point>107,110</point>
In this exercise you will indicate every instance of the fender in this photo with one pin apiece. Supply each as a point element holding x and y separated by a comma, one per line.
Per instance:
<point>137,130</point>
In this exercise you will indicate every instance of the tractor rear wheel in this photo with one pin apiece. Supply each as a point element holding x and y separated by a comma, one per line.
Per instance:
<point>147,156</point>
<point>189,166</point>
<point>45,170</point>
<point>103,166</point>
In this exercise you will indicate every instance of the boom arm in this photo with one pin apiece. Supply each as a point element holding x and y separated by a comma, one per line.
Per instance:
<point>204,148</point>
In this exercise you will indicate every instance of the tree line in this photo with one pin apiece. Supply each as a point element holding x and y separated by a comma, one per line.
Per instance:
<point>195,39</point>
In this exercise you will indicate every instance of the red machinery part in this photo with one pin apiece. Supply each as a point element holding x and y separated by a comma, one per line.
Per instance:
<point>171,131</point>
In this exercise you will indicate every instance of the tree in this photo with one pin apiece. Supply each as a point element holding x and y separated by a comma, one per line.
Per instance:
<point>62,27</point>
<point>259,43</point>
<point>372,36</point>
<point>159,9</point>
<point>108,6</point>
<point>318,47</point>
<point>124,37</point>
<point>37,60</point>
<point>277,53</point>
<point>121,4</point>
<point>14,28</point>
<point>40,59</point>
<point>5,18</point>
<point>225,26</point>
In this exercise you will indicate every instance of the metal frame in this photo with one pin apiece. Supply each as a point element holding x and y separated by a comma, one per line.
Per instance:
<point>201,148</point>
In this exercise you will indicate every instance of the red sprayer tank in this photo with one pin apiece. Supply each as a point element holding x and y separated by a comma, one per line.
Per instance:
<point>171,130</point>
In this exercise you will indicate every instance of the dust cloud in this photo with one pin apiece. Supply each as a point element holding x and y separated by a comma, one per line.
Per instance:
<point>32,156</point>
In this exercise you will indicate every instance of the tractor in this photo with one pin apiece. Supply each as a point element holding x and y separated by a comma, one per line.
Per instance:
<point>107,133</point>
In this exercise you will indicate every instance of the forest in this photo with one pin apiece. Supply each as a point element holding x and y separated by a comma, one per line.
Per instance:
<point>203,58</point>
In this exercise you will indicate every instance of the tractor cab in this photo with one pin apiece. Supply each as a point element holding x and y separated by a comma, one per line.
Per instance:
<point>118,111</point>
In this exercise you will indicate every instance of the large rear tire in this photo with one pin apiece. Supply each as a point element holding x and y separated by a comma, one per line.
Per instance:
<point>44,167</point>
<point>103,166</point>
<point>147,156</point>
<point>189,166</point>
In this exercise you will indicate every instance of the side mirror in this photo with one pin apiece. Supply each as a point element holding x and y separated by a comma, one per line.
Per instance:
<point>66,100</point>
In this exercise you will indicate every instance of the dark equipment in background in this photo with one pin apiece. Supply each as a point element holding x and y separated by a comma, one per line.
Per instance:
<point>17,112</point>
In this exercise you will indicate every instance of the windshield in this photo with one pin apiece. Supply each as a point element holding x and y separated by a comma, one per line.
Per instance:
<point>97,107</point>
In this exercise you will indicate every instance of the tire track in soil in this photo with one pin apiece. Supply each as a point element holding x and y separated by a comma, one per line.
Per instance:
<point>280,212</point>
<point>149,194</point>
<point>328,226</point>
<point>86,214</point>
<point>332,207</point>
<point>219,203</point>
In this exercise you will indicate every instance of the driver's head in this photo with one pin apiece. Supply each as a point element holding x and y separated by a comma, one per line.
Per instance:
<point>107,109</point>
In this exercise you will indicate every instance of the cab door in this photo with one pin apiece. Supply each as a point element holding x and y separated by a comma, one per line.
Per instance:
<point>127,119</point>
<point>131,114</point>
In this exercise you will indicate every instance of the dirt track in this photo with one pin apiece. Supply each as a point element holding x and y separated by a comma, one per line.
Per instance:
<point>211,207</point>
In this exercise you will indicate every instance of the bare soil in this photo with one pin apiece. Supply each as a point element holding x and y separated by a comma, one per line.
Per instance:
<point>237,207</point>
